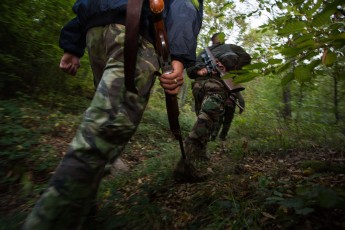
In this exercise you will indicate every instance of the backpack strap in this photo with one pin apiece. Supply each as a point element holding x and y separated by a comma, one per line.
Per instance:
<point>131,42</point>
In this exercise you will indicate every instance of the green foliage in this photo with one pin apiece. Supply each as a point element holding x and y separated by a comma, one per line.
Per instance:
<point>323,167</point>
<point>292,27</point>
<point>298,33</point>
<point>11,222</point>
<point>25,152</point>
<point>18,139</point>
<point>307,201</point>
<point>30,53</point>
<point>302,74</point>
<point>219,16</point>
<point>292,49</point>
<point>308,33</point>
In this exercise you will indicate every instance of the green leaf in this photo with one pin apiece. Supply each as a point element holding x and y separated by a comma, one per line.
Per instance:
<point>245,77</point>
<point>306,44</point>
<point>311,11</point>
<point>280,5</point>
<point>311,55</point>
<point>304,38</point>
<point>340,36</point>
<point>304,211</point>
<point>338,44</point>
<point>291,28</point>
<point>286,79</point>
<point>259,65</point>
<point>293,203</point>
<point>273,61</point>
<point>322,18</point>
<point>330,59</point>
<point>283,67</point>
<point>27,184</point>
<point>302,74</point>
<point>195,3</point>
<point>327,198</point>
<point>290,52</point>
<point>313,64</point>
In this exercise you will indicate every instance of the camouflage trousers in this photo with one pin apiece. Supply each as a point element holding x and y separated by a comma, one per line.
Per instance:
<point>210,96</point>
<point>224,122</point>
<point>108,124</point>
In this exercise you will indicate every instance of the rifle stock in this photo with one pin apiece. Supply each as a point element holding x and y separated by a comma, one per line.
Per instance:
<point>162,49</point>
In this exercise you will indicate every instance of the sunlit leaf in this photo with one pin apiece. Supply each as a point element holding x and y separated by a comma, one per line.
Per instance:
<point>196,3</point>
<point>291,28</point>
<point>303,38</point>
<point>290,52</point>
<point>322,18</point>
<point>310,55</point>
<point>259,65</point>
<point>245,77</point>
<point>314,8</point>
<point>274,61</point>
<point>313,64</point>
<point>329,59</point>
<point>306,44</point>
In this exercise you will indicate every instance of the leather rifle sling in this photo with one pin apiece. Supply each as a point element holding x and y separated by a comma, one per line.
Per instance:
<point>133,14</point>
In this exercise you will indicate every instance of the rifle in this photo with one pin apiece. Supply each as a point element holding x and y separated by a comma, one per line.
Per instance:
<point>233,99</point>
<point>162,49</point>
<point>211,65</point>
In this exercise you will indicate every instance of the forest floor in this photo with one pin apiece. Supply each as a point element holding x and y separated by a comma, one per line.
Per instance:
<point>283,189</point>
<point>272,190</point>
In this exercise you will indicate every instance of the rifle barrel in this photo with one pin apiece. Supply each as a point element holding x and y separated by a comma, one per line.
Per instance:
<point>162,49</point>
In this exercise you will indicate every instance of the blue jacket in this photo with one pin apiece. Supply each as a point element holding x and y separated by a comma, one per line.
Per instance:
<point>182,20</point>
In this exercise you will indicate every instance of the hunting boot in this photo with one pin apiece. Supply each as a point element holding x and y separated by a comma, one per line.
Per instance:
<point>185,170</point>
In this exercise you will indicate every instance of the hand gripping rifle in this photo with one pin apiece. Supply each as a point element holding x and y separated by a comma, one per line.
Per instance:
<point>211,65</point>
<point>162,49</point>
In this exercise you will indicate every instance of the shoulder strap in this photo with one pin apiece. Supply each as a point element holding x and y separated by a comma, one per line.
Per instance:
<point>131,42</point>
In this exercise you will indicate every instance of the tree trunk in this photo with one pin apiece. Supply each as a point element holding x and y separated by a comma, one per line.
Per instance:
<point>335,98</point>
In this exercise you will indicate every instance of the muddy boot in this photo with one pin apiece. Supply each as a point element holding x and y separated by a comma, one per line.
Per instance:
<point>185,172</point>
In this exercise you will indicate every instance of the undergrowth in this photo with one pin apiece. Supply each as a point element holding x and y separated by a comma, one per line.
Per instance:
<point>237,195</point>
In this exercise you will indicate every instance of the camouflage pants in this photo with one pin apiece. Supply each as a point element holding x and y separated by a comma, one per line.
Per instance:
<point>210,96</point>
<point>224,122</point>
<point>107,126</point>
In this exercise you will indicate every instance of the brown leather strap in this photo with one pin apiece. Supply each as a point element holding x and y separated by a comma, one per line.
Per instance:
<point>131,42</point>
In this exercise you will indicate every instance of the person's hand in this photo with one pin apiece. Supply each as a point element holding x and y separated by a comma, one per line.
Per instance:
<point>202,72</point>
<point>171,82</point>
<point>69,63</point>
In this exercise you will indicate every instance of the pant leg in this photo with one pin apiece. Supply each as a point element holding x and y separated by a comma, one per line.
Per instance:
<point>212,107</point>
<point>216,127</point>
<point>198,94</point>
<point>108,124</point>
<point>228,117</point>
